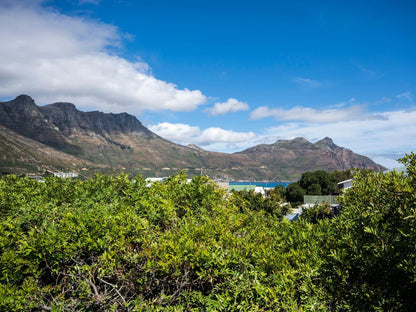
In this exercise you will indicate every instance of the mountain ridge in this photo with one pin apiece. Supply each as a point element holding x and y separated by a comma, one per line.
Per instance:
<point>119,142</point>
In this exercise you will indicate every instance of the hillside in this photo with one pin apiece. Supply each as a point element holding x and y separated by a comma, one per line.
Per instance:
<point>59,136</point>
<point>292,157</point>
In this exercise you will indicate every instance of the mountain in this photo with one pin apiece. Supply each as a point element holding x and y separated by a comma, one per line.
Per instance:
<point>293,157</point>
<point>60,137</point>
<point>21,155</point>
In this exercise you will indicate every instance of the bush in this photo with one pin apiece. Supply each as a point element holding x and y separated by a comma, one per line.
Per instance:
<point>113,243</point>
<point>317,212</point>
<point>270,204</point>
<point>369,262</point>
<point>295,193</point>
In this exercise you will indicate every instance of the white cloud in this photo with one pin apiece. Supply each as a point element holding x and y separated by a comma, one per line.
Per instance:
<point>214,134</point>
<point>381,139</point>
<point>176,132</point>
<point>343,104</point>
<point>307,83</point>
<point>54,57</point>
<point>307,114</point>
<point>406,95</point>
<point>384,137</point>
<point>369,73</point>
<point>232,105</point>
<point>186,134</point>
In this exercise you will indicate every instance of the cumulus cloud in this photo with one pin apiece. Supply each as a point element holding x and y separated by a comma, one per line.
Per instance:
<point>177,132</point>
<point>231,105</point>
<point>214,134</point>
<point>53,57</point>
<point>186,134</point>
<point>307,114</point>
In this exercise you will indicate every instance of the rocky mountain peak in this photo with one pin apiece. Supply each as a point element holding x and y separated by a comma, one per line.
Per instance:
<point>297,140</point>
<point>24,99</point>
<point>22,104</point>
<point>301,154</point>
<point>25,117</point>
<point>71,121</point>
<point>326,143</point>
<point>300,140</point>
<point>64,106</point>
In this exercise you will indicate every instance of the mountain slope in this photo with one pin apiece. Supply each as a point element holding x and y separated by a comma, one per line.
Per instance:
<point>21,155</point>
<point>293,157</point>
<point>119,142</point>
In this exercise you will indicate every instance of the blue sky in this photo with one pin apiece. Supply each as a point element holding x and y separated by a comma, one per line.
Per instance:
<point>224,75</point>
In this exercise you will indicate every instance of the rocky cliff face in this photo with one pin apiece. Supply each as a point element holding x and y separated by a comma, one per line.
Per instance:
<point>71,121</point>
<point>115,140</point>
<point>51,123</point>
<point>121,143</point>
<point>23,116</point>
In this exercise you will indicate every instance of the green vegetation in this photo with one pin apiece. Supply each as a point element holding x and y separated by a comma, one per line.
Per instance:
<point>113,243</point>
<point>317,212</point>
<point>271,204</point>
<point>316,183</point>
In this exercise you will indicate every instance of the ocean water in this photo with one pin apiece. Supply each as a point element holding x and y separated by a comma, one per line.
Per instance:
<point>263,184</point>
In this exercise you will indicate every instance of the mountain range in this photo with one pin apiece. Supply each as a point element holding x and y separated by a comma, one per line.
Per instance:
<point>59,137</point>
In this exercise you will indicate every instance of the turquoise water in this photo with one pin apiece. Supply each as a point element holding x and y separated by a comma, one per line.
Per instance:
<point>263,184</point>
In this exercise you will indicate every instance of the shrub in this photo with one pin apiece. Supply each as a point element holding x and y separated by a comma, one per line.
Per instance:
<point>317,212</point>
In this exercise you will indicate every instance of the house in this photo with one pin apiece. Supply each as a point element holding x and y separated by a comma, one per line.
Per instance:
<point>223,184</point>
<point>332,200</point>
<point>294,214</point>
<point>260,189</point>
<point>66,175</point>
<point>246,187</point>
<point>345,184</point>
<point>320,199</point>
<point>37,178</point>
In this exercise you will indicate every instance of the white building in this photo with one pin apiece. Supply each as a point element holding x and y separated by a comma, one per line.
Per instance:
<point>260,189</point>
<point>345,184</point>
<point>66,175</point>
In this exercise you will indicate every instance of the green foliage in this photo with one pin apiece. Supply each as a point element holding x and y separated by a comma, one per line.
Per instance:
<point>295,193</point>
<point>314,183</point>
<point>277,194</point>
<point>318,183</point>
<point>270,204</point>
<point>372,258</point>
<point>117,244</point>
<point>317,212</point>
<point>340,176</point>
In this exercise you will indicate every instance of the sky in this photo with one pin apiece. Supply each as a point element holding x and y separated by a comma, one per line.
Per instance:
<point>224,75</point>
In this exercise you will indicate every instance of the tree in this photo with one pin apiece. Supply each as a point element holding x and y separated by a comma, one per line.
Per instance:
<point>370,259</point>
<point>317,212</point>
<point>278,193</point>
<point>318,183</point>
<point>326,181</point>
<point>271,204</point>
<point>308,179</point>
<point>340,176</point>
<point>295,193</point>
